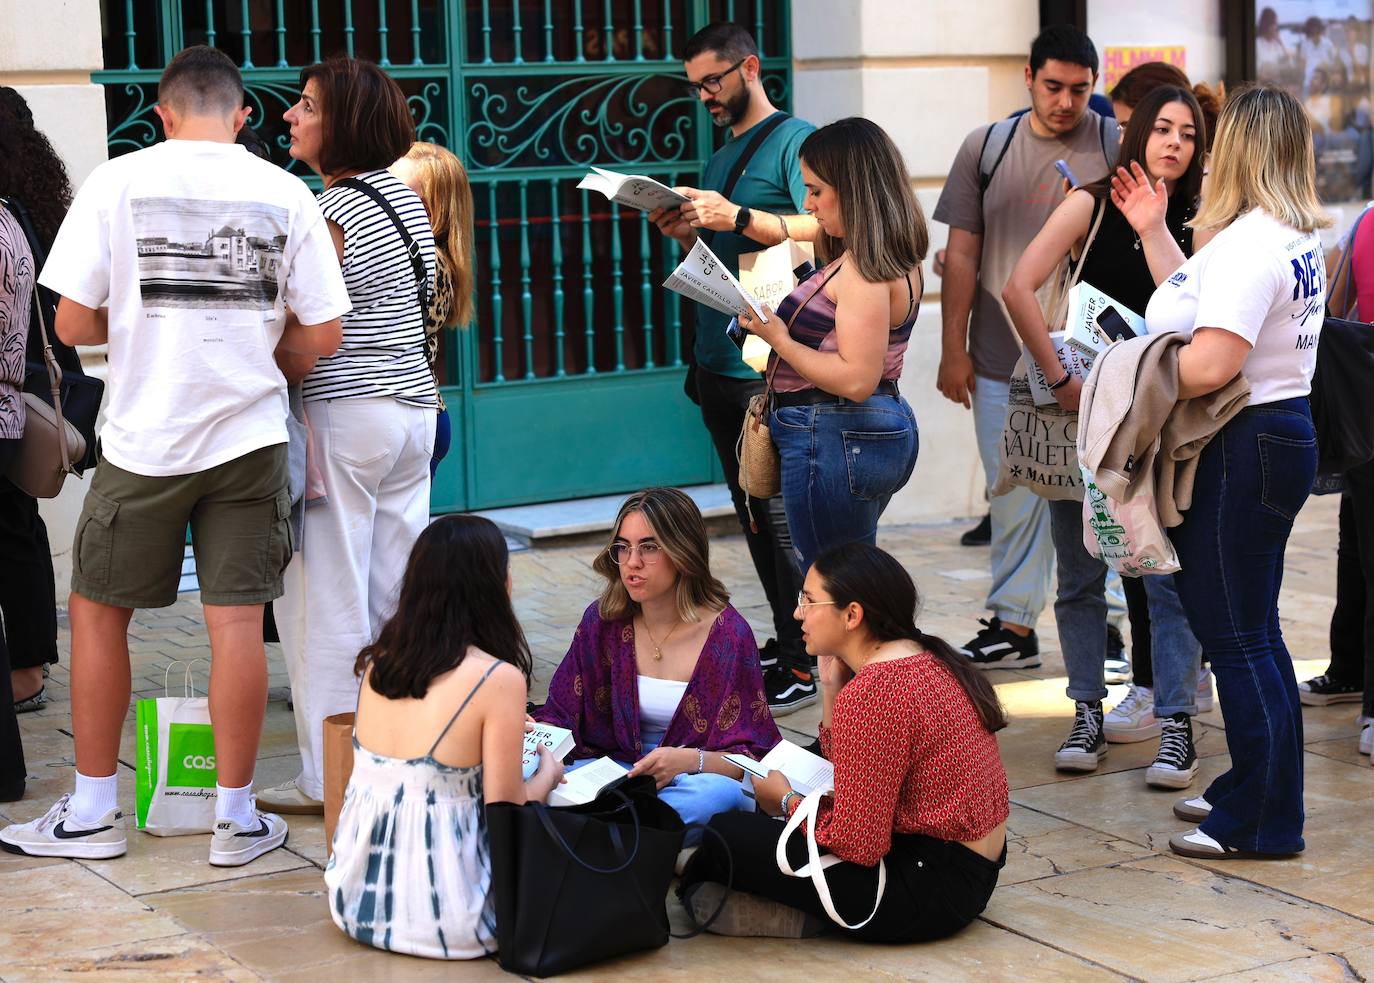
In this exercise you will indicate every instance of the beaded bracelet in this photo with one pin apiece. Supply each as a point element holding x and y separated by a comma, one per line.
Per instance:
<point>701,760</point>
<point>782,805</point>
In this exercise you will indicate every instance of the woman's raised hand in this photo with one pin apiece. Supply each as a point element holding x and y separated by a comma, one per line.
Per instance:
<point>1142,205</point>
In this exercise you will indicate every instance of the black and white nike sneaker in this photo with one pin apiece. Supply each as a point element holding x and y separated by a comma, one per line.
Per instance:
<point>58,833</point>
<point>995,647</point>
<point>234,845</point>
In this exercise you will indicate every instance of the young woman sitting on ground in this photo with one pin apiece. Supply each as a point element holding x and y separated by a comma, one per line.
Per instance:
<point>919,784</point>
<point>440,730</point>
<point>663,674</point>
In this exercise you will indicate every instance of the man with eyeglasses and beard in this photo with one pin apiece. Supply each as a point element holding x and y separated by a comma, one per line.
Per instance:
<point>750,198</point>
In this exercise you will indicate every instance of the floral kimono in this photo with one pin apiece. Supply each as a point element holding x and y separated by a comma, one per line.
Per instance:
<point>595,693</point>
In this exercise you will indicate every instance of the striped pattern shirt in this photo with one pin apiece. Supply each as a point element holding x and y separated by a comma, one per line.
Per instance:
<point>383,350</point>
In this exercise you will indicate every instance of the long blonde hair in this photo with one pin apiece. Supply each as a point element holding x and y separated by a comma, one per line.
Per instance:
<point>681,531</point>
<point>1263,158</point>
<point>448,199</point>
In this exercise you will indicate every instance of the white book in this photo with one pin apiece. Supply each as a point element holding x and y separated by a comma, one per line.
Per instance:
<point>1096,320</point>
<point>559,741</point>
<point>806,772</point>
<point>581,786</point>
<point>702,277</point>
<point>634,190</point>
<point>1077,363</point>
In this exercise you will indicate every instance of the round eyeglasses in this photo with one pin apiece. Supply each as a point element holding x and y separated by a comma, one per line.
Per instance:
<point>711,84</point>
<point>649,553</point>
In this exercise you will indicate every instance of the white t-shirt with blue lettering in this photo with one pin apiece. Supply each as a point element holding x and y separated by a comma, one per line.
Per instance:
<point>1264,281</point>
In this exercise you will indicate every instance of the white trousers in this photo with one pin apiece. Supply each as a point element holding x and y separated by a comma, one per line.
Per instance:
<point>342,585</point>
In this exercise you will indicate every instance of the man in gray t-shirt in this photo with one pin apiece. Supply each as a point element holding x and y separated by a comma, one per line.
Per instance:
<point>991,224</point>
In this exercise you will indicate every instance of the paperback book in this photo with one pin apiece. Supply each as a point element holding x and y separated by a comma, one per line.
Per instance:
<point>806,772</point>
<point>703,278</point>
<point>632,190</point>
<point>586,783</point>
<point>559,741</point>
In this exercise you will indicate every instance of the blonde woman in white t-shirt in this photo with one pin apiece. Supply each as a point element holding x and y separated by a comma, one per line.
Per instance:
<point>1252,301</point>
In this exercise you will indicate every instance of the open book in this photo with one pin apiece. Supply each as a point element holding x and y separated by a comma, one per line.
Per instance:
<point>634,190</point>
<point>581,786</point>
<point>702,277</point>
<point>806,771</point>
<point>559,741</point>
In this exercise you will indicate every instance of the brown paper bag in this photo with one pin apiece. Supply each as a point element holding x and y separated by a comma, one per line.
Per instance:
<point>338,768</point>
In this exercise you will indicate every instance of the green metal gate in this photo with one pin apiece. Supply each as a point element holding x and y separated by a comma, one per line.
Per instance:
<point>570,381</point>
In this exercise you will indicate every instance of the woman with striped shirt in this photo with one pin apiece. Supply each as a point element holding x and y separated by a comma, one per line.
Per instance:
<point>371,406</point>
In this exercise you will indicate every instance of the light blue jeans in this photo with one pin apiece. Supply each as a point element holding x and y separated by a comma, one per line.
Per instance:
<point>1022,547</point>
<point>696,798</point>
<point>1174,649</point>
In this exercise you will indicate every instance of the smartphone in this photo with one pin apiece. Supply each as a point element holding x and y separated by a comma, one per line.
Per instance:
<point>1113,325</point>
<point>735,333</point>
<point>1063,169</point>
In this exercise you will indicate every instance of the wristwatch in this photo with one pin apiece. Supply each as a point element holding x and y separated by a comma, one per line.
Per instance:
<point>742,220</point>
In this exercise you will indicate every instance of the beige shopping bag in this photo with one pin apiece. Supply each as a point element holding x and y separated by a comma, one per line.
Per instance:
<point>768,275</point>
<point>338,768</point>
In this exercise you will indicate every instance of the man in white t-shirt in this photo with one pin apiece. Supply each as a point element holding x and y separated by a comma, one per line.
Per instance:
<point>184,259</point>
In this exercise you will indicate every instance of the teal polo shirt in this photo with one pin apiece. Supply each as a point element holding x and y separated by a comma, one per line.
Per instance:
<point>771,182</point>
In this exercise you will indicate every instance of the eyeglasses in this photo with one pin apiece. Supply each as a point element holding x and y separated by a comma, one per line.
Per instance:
<point>711,84</point>
<point>803,603</point>
<point>649,553</point>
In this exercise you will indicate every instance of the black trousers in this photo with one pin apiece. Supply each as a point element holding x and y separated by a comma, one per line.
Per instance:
<point>724,400</point>
<point>934,887</point>
<point>1138,613</point>
<point>28,596</point>
<point>1352,622</point>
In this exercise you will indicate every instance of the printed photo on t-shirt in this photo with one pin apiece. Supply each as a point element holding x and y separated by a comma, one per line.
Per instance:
<point>209,254</point>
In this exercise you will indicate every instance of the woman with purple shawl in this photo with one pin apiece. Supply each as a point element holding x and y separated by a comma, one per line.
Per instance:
<point>663,674</point>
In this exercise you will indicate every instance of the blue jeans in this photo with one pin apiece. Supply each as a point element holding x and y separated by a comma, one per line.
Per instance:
<point>696,798</point>
<point>1174,650</point>
<point>1252,480</point>
<point>841,464</point>
<point>1022,550</point>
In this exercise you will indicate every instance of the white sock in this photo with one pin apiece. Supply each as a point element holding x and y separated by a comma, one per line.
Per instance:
<point>94,797</point>
<point>235,803</point>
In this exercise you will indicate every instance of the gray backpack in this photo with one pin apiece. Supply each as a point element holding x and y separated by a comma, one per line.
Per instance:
<point>998,139</point>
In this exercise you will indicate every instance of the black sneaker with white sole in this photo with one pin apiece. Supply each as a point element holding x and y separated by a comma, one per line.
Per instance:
<point>1086,745</point>
<point>788,689</point>
<point>234,844</point>
<point>1175,765</point>
<point>1322,691</point>
<point>995,647</point>
<point>768,654</point>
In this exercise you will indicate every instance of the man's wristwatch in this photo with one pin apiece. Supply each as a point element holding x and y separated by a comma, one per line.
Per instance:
<point>742,220</point>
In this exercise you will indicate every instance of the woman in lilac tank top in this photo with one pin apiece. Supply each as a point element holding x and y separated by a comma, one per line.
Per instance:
<point>846,436</point>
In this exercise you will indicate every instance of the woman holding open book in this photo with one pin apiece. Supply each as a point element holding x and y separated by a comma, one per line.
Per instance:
<point>663,674</point>
<point>1166,136</point>
<point>920,792</point>
<point>846,437</point>
<point>411,870</point>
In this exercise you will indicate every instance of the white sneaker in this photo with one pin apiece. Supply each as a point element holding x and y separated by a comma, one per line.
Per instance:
<point>288,799</point>
<point>58,833</point>
<point>1133,719</point>
<point>1206,698</point>
<point>1367,740</point>
<point>1193,810</point>
<point>234,845</point>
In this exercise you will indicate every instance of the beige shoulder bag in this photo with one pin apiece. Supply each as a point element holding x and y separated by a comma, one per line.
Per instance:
<point>50,447</point>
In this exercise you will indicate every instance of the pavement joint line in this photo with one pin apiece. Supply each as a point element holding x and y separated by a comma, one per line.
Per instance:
<point>1061,950</point>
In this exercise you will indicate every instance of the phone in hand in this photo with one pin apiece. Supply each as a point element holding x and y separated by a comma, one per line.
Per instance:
<point>1113,325</point>
<point>1063,168</point>
<point>735,333</point>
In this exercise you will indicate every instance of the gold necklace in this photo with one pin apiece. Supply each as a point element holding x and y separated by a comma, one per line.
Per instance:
<point>658,649</point>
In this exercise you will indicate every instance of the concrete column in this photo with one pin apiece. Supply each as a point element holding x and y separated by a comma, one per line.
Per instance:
<point>892,61</point>
<point>47,52</point>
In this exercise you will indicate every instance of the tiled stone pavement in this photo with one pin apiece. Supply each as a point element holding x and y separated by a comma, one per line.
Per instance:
<point>1090,890</point>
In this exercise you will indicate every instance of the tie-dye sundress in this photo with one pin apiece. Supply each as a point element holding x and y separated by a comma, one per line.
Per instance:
<point>411,869</point>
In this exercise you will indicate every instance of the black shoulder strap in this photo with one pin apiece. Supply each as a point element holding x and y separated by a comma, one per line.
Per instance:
<point>750,149</point>
<point>417,261</point>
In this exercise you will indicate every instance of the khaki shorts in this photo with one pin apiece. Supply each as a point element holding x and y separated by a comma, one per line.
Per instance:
<point>131,537</point>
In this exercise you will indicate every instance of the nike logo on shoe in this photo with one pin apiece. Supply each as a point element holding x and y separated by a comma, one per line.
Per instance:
<point>262,830</point>
<point>62,833</point>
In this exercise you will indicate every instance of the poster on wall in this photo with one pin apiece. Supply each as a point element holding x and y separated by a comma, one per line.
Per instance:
<point>1116,62</point>
<point>1319,51</point>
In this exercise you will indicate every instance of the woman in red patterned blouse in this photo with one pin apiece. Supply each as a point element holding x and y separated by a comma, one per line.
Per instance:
<point>920,791</point>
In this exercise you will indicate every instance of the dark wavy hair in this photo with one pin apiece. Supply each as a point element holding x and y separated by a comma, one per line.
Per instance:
<point>453,598</point>
<point>30,170</point>
<point>858,573</point>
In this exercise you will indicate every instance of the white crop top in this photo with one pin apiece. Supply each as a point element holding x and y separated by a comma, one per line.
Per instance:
<point>658,700</point>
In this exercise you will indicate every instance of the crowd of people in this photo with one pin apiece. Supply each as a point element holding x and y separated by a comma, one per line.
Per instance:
<point>282,402</point>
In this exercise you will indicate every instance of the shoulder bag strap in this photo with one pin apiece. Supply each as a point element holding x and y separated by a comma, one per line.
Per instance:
<point>63,352</point>
<point>417,261</point>
<point>737,170</point>
<point>816,864</point>
<point>1061,307</point>
<point>773,368</point>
